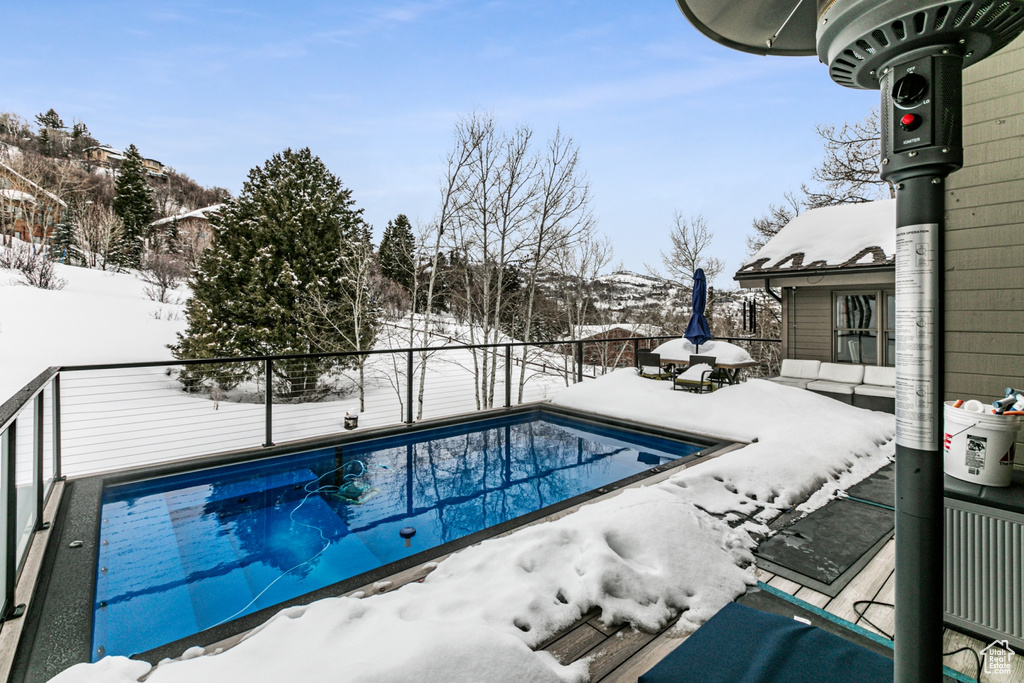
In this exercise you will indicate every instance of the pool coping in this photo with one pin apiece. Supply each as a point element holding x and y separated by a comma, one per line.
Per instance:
<point>58,625</point>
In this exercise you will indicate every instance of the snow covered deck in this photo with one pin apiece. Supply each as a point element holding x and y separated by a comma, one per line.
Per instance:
<point>597,592</point>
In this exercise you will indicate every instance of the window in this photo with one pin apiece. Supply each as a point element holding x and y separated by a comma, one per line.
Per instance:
<point>890,329</point>
<point>858,326</point>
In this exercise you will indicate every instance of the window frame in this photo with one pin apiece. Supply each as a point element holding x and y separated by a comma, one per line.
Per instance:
<point>883,326</point>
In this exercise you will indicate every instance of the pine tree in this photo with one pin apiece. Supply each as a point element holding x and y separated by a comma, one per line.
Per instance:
<point>287,238</point>
<point>133,203</point>
<point>396,252</point>
<point>51,132</point>
<point>64,244</point>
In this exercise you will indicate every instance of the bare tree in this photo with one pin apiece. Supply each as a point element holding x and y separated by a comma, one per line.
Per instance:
<point>776,218</point>
<point>354,319</point>
<point>691,249</point>
<point>561,218</point>
<point>578,265</point>
<point>163,272</point>
<point>849,172</point>
<point>98,234</point>
<point>468,137</point>
<point>35,265</point>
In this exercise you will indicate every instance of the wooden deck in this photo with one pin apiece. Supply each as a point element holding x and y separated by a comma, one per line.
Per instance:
<point>621,654</point>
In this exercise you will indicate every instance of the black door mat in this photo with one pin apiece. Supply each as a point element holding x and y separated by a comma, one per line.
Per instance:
<point>879,488</point>
<point>828,547</point>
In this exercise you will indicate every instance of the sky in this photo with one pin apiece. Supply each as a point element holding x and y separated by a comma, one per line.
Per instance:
<point>665,119</point>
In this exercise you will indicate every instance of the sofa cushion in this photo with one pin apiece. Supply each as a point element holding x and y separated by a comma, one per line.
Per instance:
<point>800,369</point>
<point>832,387</point>
<point>841,372</point>
<point>791,381</point>
<point>874,390</point>
<point>879,376</point>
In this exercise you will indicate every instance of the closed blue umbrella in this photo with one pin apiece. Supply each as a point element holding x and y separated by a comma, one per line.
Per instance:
<point>697,330</point>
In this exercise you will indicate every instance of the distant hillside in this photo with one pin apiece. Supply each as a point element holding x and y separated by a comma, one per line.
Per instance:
<point>624,292</point>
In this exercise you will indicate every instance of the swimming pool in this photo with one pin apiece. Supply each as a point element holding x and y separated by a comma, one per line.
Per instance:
<point>184,553</point>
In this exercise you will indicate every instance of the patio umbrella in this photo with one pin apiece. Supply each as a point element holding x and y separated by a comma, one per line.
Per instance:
<point>697,330</point>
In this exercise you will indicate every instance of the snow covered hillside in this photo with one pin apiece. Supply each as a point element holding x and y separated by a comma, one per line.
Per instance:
<point>98,317</point>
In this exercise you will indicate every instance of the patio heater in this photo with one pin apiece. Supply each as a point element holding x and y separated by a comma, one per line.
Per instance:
<point>914,52</point>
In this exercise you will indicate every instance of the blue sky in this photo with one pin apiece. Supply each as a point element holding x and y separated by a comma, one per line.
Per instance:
<point>665,119</point>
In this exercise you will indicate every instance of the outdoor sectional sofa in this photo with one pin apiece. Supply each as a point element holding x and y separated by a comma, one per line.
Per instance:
<point>865,386</point>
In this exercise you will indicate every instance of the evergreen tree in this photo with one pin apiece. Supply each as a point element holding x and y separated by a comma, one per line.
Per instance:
<point>64,244</point>
<point>133,203</point>
<point>286,239</point>
<point>396,252</point>
<point>50,133</point>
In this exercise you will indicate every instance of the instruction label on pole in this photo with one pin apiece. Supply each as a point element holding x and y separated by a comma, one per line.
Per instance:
<point>917,314</point>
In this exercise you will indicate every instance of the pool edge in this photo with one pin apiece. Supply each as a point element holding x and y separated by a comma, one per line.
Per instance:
<point>40,655</point>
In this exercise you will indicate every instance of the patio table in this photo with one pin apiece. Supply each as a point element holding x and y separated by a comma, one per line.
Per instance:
<point>732,370</point>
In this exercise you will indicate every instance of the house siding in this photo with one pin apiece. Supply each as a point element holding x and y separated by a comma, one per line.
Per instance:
<point>810,320</point>
<point>984,233</point>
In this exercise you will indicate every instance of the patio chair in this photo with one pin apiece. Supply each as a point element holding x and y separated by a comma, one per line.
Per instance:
<point>649,365</point>
<point>697,377</point>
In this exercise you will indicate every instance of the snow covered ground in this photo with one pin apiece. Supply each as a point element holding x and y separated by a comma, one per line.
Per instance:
<point>99,317</point>
<point>641,557</point>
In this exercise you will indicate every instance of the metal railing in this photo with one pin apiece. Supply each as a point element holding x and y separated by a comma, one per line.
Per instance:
<point>87,419</point>
<point>29,464</point>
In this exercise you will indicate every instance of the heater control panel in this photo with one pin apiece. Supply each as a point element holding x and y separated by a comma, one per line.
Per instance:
<point>912,111</point>
<point>921,131</point>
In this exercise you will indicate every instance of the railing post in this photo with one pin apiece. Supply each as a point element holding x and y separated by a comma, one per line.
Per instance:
<point>579,361</point>
<point>508,375</point>
<point>56,428</point>
<point>37,460</point>
<point>636,350</point>
<point>408,387</point>
<point>268,381</point>
<point>8,450</point>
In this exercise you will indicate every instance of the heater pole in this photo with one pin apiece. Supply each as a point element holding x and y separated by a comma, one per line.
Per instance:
<point>919,391</point>
<point>921,145</point>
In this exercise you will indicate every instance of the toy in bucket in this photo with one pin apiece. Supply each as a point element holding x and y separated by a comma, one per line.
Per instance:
<point>978,446</point>
<point>351,421</point>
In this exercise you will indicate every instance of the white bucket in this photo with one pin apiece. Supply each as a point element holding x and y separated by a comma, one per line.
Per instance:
<point>978,447</point>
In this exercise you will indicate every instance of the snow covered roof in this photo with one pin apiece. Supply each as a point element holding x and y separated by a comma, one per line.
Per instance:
<point>4,168</point>
<point>634,329</point>
<point>198,213</point>
<point>18,196</point>
<point>105,148</point>
<point>844,237</point>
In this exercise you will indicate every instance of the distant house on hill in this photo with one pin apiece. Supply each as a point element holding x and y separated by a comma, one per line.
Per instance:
<point>192,229</point>
<point>111,157</point>
<point>609,353</point>
<point>104,155</point>
<point>836,269</point>
<point>27,211</point>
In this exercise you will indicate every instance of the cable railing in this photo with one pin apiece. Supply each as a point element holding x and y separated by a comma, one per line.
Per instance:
<point>89,419</point>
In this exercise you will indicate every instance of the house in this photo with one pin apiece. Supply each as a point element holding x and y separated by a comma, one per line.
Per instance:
<point>192,229</point>
<point>111,157</point>
<point>836,269</point>
<point>983,251</point>
<point>27,211</point>
<point>104,155</point>
<point>611,353</point>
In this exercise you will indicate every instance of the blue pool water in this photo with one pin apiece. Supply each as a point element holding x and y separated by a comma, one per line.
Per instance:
<point>183,553</point>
